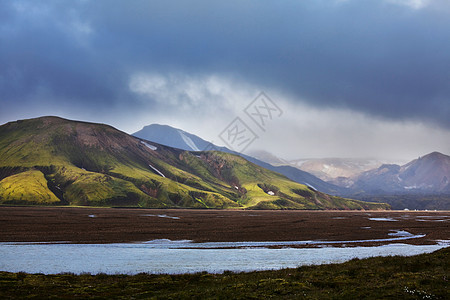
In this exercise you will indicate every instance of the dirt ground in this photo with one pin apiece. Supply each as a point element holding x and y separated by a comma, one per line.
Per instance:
<point>114,225</point>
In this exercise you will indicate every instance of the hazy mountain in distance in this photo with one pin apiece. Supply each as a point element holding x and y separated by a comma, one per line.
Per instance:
<point>54,161</point>
<point>338,176</point>
<point>268,157</point>
<point>336,170</point>
<point>178,138</point>
<point>419,184</point>
<point>427,174</point>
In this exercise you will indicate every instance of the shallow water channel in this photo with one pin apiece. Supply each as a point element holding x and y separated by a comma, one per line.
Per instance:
<point>176,257</point>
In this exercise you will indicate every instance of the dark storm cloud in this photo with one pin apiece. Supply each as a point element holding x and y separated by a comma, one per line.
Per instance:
<point>41,53</point>
<point>387,60</point>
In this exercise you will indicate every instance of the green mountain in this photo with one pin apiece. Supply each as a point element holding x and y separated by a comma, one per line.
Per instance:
<point>53,161</point>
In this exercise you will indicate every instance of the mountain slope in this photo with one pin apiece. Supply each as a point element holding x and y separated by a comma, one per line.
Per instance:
<point>267,157</point>
<point>76,163</point>
<point>333,169</point>
<point>427,174</point>
<point>178,138</point>
<point>19,188</point>
<point>430,172</point>
<point>173,137</point>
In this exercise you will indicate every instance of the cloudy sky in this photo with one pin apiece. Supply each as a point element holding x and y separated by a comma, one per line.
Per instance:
<point>351,78</point>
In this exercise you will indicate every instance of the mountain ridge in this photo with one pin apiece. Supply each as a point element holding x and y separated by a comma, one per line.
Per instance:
<point>91,164</point>
<point>427,174</point>
<point>168,135</point>
<point>385,191</point>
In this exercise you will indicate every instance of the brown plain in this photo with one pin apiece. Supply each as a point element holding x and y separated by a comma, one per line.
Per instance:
<point>113,225</point>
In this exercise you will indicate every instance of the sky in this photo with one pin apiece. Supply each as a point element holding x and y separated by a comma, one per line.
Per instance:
<point>340,78</point>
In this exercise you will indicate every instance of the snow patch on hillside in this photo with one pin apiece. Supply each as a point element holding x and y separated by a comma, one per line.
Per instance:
<point>151,147</point>
<point>188,141</point>
<point>412,187</point>
<point>308,185</point>
<point>157,171</point>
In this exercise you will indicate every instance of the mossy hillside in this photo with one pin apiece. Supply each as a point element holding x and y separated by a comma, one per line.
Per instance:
<point>95,164</point>
<point>238,172</point>
<point>265,189</point>
<point>284,197</point>
<point>176,192</point>
<point>90,188</point>
<point>423,276</point>
<point>197,164</point>
<point>140,175</point>
<point>26,187</point>
<point>85,158</point>
<point>27,152</point>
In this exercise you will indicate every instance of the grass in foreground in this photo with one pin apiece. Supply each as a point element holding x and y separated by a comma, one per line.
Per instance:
<point>419,277</point>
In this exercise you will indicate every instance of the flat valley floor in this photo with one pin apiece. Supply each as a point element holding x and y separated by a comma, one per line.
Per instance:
<point>120,225</point>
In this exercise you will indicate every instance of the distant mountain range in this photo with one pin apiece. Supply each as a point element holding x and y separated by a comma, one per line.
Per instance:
<point>269,158</point>
<point>336,170</point>
<point>178,138</point>
<point>367,179</point>
<point>427,174</point>
<point>54,161</point>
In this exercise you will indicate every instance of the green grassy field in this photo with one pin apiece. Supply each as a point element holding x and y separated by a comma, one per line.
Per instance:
<point>418,277</point>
